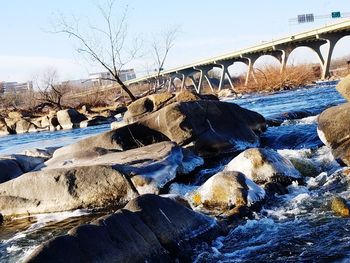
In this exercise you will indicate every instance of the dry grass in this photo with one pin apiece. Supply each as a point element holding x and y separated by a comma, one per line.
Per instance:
<point>269,79</point>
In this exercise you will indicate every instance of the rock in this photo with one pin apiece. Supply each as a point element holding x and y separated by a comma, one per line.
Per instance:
<point>10,169</point>
<point>50,121</point>
<point>334,129</point>
<point>27,163</point>
<point>340,207</point>
<point>343,87</point>
<point>117,124</point>
<point>224,93</point>
<point>173,224</point>
<point>149,229</point>
<point>85,109</point>
<point>125,138</point>
<point>63,189</point>
<point>4,129</point>
<point>70,118</point>
<point>96,120</point>
<point>227,194</point>
<point>305,167</point>
<point>152,103</point>
<point>24,126</point>
<point>150,168</point>
<point>42,153</point>
<point>214,127</point>
<point>1,219</point>
<point>263,166</point>
<point>146,105</point>
<point>15,115</point>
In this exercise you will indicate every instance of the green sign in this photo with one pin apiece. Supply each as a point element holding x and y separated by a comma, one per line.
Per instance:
<point>336,15</point>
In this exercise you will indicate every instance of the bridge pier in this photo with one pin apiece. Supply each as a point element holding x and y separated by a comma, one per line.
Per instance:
<point>224,73</point>
<point>332,40</point>
<point>251,58</point>
<point>203,70</point>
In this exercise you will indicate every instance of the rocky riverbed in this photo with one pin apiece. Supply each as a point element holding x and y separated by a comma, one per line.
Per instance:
<point>185,177</point>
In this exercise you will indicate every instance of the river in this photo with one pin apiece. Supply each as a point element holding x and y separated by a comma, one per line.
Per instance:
<point>298,226</point>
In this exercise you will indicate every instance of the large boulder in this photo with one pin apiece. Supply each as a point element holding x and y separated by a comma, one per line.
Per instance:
<point>264,166</point>
<point>70,118</point>
<point>152,103</point>
<point>128,137</point>
<point>227,194</point>
<point>65,189</point>
<point>334,129</point>
<point>343,87</point>
<point>150,168</point>
<point>149,229</point>
<point>214,127</point>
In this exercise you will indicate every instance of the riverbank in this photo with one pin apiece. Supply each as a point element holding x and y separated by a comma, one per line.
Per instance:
<point>293,143</point>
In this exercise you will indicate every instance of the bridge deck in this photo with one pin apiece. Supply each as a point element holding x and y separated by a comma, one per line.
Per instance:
<point>299,38</point>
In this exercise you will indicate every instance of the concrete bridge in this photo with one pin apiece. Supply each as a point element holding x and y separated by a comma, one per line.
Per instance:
<point>280,49</point>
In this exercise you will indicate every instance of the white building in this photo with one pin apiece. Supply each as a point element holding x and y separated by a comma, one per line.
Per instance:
<point>8,87</point>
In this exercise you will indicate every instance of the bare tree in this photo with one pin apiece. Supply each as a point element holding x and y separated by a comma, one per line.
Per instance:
<point>106,46</point>
<point>160,51</point>
<point>50,91</point>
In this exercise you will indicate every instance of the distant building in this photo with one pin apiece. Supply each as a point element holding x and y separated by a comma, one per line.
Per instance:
<point>101,79</point>
<point>105,78</point>
<point>10,87</point>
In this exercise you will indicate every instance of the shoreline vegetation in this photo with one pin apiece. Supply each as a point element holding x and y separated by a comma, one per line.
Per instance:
<point>36,110</point>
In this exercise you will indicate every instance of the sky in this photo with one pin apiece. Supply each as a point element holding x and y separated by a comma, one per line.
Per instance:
<point>206,28</point>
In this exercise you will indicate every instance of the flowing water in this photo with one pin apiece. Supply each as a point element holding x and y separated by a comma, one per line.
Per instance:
<point>298,226</point>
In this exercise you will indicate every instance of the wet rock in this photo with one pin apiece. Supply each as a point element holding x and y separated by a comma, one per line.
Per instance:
<point>305,167</point>
<point>343,87</point>
<point>70,118</point>
<point>173,224</point>
<point>214,127</point>
<point>150,229</point>
<point>340,206</point>
<point>227,194</point>
<point>150,168</point>
<point>64,189</point>
<point>334,129</point>
<point>96,120</point>
<point>264,166</point>
<point>9,169</point>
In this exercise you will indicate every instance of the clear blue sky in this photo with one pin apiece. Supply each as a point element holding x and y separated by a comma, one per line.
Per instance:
<point>207,28</point>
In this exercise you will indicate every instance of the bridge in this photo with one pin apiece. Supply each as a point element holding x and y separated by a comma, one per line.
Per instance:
<point>280,49</point>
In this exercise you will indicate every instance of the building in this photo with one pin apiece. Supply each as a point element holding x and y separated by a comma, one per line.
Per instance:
<point>11,87</point>
<point>105,78</point>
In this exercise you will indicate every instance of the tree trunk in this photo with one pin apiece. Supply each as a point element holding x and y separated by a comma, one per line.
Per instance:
<point>125,88</point>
